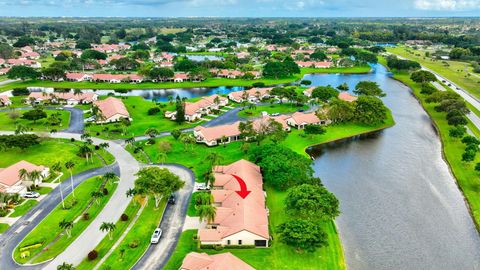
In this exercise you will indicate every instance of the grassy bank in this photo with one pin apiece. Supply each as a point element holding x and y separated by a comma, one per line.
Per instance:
<point>456,71</point>
<point>6,123</point>
<point>106,244</point>
<point>51,151</point>
<point>466,176</point>
<point>210,82</point>
<point>137,240</point>
<point>50,235</point>
<point>23,208</point>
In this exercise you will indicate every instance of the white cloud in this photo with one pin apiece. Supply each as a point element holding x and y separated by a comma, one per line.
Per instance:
<point>454,5</point>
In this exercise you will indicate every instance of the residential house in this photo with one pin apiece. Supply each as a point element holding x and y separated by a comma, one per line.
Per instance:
<point>110,48</point>
<point>251,95</point>
<point>78,77</point>
<point>345,96</point>
<point>10,181</point>
<point>238,220</point>
<point>69,98</point>
<point>4,71</point>
<point>314,64</point>
<point>195,110</point>
<point>308,92</point>
<point>112,110</point>
<point>5,100</point>
<point>223,261</point>
<point>23,62</point>
<point>180,77</point>
<point>299,120</point>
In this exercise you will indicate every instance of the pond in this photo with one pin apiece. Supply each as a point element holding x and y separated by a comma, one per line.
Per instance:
<point>401,207</point>
<point>201,58</point>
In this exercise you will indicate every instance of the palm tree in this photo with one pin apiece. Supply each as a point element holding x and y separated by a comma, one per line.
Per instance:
<point>108,227</point>
<point>162,157</point>
<point>69,166</point>
<point>224,140</point>
<point>21,129</point>
<point>77,92</point>
<point>35,175</point>
<point>104,145</point>
<point>214,158</point>
<point>85,151</point>
<point>109,177</point>
<point>85,136</point>
<point>203,198</point>
<point>57,167</point>
<point>152,132</point>
<point>170,99</point>
<point>96,195</point>
<point>207,213</point>
<point>65,266</point>
<point>131,192</point>
<point>67,226</point>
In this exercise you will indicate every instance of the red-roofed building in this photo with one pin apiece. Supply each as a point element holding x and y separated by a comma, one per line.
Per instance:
<point>314,64</point>
<point>223,261</point>
<point>299,120</point>
<point>345,96</point>
<point>11,182</point>
<point>5,101</point>
<point>238,221</point>
<point>112,110</point>
<point>23,62</point>
<point>252,95</point>
<point>4,71</point>
<point>69,98</point>
<point>195,110</point>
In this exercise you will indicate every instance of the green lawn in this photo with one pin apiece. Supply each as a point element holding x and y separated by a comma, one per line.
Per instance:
<point>210,82</point>
<point>281,108</point>
<point>4,227</point>
<point>23,208</point>
<point>140,233</point>
<point>191,211</point>
<point>50,223</point>
<point>43,190</point>
<point>50,151</point>
<point>138,108</point>
<point>467,177</point>
<point>41,125</point>
<point>106,244</point>
<point>456,71</point>
<point>279,255</point>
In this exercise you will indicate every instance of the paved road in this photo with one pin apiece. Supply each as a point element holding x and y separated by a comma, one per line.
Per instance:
<point>7,82</point>
<point>77,124</point>
<point>158,255</point>
<point>15,234</point>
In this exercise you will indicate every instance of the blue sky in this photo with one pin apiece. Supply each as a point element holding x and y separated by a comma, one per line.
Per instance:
<point>241,8</point>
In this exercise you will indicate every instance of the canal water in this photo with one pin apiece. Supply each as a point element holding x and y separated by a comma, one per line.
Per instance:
<point>401,208</point>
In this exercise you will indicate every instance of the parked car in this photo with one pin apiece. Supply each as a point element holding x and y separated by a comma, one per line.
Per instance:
<point>172,198</point>
<point>31,194</point>
<point>275,114</point>
<point>301,110</point>
<point>201,186</point>
<point>156,236</point>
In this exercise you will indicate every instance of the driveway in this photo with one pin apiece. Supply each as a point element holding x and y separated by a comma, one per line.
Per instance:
<point>76,120</point>
<point>171,224</point>
<point>15,234</point>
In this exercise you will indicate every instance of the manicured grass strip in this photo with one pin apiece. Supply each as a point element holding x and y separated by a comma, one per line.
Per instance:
<point>280,108</point>
<point>51,151</point>
<point>106,244</point>
<point>48,230</point>
<point>44,190</point>
<point>456,71</point>
<point>4,227</point>
<point>210,82</point>
<point>467,177</point>
<point>23,208</point>
<point>185,244</point>
<point>139,236</point>
<point>6,123</point>
<point>192,211</point>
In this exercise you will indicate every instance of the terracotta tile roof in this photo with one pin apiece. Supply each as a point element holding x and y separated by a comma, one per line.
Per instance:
<point>4,99</point>
<point>305,118</point>
<point>85,97</point>
<point>112,106</point>
<point>194,107</point>
<point>10,176</point>
<point>251,93</point>
<point>347,97</point>
<point>236,214</point>
<point>223,261</point>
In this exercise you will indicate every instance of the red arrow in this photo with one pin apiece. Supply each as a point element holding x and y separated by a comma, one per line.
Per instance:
<point>243,192</point>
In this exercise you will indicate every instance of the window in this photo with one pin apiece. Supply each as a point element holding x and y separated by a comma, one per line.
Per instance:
<point>239,242</point>
<point>260,243</point>
<point>228,242</point>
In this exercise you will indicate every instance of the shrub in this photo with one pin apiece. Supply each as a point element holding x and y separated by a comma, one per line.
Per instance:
<point>258,84</point>
<point>306,82</point>
<point>124,217</point>
<point>86,216</point>
<point>97,147</point>
<point>134,243</point>
<point>3,212</point>
<point>105,191</point>
<point>153,111</point>
<point>70,203</point>
<point>72,139</point>
<point>218,247</point>
<point>92,255</point>
<point>20,92</point>
<point>33,246</point>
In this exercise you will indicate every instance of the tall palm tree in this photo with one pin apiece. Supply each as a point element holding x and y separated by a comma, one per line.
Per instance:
<point>131,192</point>
<point>104,145</point>
<point>67,226</point>
<point>85,136</point>
<point>108,227</point>
<point>170,99</point>
<point>69,166</point>
<point>96,195</point>
<point>35,175</point>
<point>109,177</point>
<point>85,151</point>
<point>203,198</point>
<point>207,213</point>
<point>214,158</point>
<point>57,167</point>
<point>65,266</point>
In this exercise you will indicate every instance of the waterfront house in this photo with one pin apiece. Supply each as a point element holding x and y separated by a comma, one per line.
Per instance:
<point>69,98</point>
<point>223,261</point>
<point>112,110</point>
<point>195,110</point>
<point>252,95</point>
<point>299,120</point>
<point>238,221</point>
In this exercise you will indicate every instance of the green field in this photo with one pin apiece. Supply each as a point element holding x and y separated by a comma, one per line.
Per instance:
<point>456,71</point>
<point>106,244</point>
<point>140,233</point>
<point>281,108</point>
<point>51,151</point>
<point>467,177</point>
<point>4,227</point>
<point>48,233</point>
<point>6,123</point>
<point>138,108</point>
<point>210,82</point>
<point>23,208</point>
